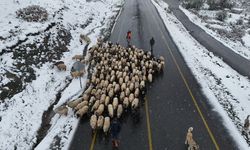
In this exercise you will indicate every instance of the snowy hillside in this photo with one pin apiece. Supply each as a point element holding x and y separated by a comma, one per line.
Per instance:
<point>229,26</point>
<point>31,86</point>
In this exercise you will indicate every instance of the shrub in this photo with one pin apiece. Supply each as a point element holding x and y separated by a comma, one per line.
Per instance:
<point>33,13</point>
<point>239,22</point>
<point>193,4</point>
<point>221,16</point>
<point>219,4</point>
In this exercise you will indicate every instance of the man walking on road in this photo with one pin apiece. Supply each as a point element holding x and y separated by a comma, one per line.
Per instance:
<point>152,42</point>
<point>128,37</point>
<point>115,130</point>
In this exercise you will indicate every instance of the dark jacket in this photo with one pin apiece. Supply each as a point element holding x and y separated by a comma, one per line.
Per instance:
<point>115,129</point>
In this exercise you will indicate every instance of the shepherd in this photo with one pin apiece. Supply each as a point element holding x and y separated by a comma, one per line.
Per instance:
<point>152,42</point>
<point>128,37</point>
<point>115,130</point>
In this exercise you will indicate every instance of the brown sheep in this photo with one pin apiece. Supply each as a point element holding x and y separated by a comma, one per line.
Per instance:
<point>61,67</point>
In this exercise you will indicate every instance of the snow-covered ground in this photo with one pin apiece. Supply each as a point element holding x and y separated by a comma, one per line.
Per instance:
<point>28,51</point>
<point>230,32</point>
<point>226,90</point>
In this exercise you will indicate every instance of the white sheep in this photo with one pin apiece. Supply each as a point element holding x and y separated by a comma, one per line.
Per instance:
<point>62,110</point>
<point>106,124</point>
<point>80,105</point>
<point>137,92</point>
<point>127,92</point>
<point>96,105</point>
<point>107,99</point>
<point>102,99</point>
<point>74,103</point>
<point>150,77</point>
<point>111,110</point>
<point>125,102</point>
<point>100,122</point>
<point>119,111</point>
<point>93,122</point>
<point>115,103</point>
<point>100,109</point>
<point>131,97</point>
<point>131,86</point>
<point>122,95</point>
<point>82,111</point>
<point>142,84</point>
<point>135,103</point>
<point>123,87</point>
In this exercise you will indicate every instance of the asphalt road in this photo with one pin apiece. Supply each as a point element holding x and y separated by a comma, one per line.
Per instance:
<point>174,101</point>
<point>237,62</point>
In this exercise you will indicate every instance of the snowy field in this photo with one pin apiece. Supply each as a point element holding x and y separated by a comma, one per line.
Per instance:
<point>28,51</point>
<point>226,90</point>
<point>233,32</point>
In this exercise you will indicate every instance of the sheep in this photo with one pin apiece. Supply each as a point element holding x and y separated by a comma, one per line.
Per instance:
<point>122,95</point>
<point>126,79</point>
<point>109,87</point>
<point>78,57</point>
<point>131,86</point>
<point>91,101</point>
<point>111,92</point>
<point>100,122</point>
<point>150,77</point>
<point>82,111</point>
<point>161,58</point>
<point>61,67</point>
<point>115,103</point>
<point>80,105</point>
<point>62,110</point>
<point>96,105</point>
<point>142,84</point>
<point>137,85</point>
<point>123,87</point>
<point>100,110</point>
<point>106,124</point>
<point>88,90</point>
<point>119,111</point>
<point>107,99</point>
<point>102,99</point>
<point>120,80</point>
<point>93,122</point>
<point>127,92</point>
<point>85,97</point>
<point>110,110</point>
<point>135,103</point>
<point>137,92</point>
<point>131,97</point>
<point>74,103</point>
<point>125,102</point>
<point>117,88</point>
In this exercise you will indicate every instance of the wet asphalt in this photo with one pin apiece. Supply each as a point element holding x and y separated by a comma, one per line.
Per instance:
<point>171,108</point>
<point>237,62</point>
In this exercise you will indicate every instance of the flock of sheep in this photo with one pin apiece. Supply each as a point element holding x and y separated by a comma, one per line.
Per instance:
<point>118,78</point>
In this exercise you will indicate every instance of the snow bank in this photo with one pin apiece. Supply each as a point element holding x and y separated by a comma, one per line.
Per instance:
<point>225,89</point>
<point>236,46</point>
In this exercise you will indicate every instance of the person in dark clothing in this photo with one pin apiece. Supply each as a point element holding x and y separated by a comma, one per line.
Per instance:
<point>152,42</point>
<point>128,37</point>
<point>115,130</point>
